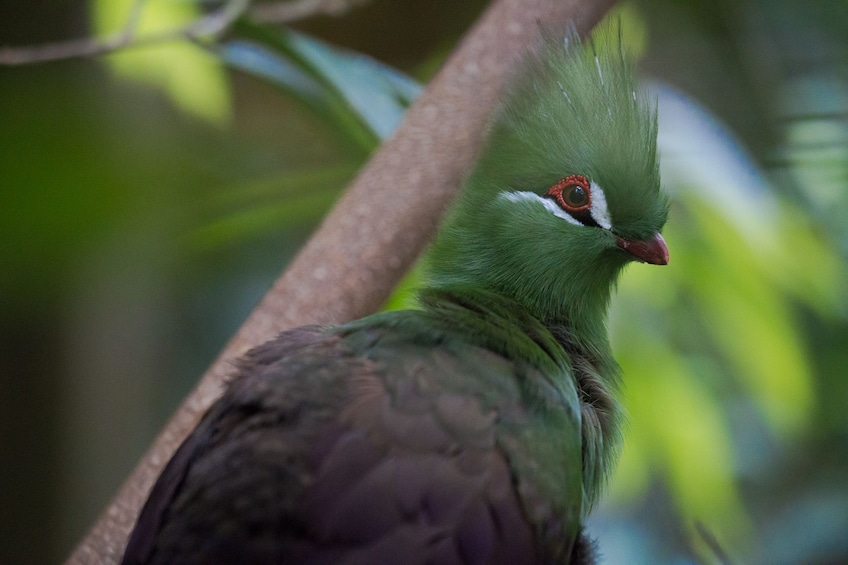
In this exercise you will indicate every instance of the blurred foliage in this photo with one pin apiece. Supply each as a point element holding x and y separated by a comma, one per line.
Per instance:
<point>364,99</point>
<point>140,225</point>
<point>192,78</point>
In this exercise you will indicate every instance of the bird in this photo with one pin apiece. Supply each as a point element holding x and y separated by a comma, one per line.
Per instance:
<point>481,426</point>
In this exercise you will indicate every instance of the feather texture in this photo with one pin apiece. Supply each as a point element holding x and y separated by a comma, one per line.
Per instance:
<point>479,428</point>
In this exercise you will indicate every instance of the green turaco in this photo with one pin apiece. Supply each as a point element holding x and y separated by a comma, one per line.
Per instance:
<point>478,428</point>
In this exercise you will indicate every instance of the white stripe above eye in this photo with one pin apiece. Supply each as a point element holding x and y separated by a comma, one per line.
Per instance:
<point>549,204</point>
<point>598,210</point>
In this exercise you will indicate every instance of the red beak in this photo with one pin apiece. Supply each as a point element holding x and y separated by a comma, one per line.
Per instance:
<point>653,251</point>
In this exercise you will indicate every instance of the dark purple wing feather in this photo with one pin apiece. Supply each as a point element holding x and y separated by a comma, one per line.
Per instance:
<point>315,455</point>
<point>149,522</point>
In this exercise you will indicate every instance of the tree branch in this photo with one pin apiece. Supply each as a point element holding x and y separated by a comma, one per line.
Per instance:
<point>376,229</point>
<point>206,26</point>
<point>287,12</point>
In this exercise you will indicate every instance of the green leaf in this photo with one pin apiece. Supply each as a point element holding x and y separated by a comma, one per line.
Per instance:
<point>191,77</point>
<point>365,99</point>
<point>677,427</point>
<point>295,199</point>
<point>405,294</point>
<point>748,315</point>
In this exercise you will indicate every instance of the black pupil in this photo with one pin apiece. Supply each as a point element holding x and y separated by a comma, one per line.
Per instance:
<point>576,196</point>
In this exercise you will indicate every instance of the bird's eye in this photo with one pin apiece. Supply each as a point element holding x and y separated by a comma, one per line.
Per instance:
<point>575,196</point>
<point>573,193</point>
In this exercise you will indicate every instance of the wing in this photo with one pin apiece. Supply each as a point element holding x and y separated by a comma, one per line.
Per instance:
<point>212,438</point>
<point>318,455</point>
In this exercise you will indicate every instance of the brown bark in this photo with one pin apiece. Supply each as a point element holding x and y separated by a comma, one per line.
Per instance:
<point>375,231</point>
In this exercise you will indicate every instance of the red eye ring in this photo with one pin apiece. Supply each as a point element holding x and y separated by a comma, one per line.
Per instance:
<point>573,193</point>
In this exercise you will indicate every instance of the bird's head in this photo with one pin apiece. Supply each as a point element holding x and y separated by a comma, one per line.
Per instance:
<point>567,190</point>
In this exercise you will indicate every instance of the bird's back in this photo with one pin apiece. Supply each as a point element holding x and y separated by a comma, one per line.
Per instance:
<point>365,445</point>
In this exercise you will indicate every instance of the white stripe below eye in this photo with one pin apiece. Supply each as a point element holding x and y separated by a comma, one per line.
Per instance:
<point>599,210</point>
<point>550,205</point>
